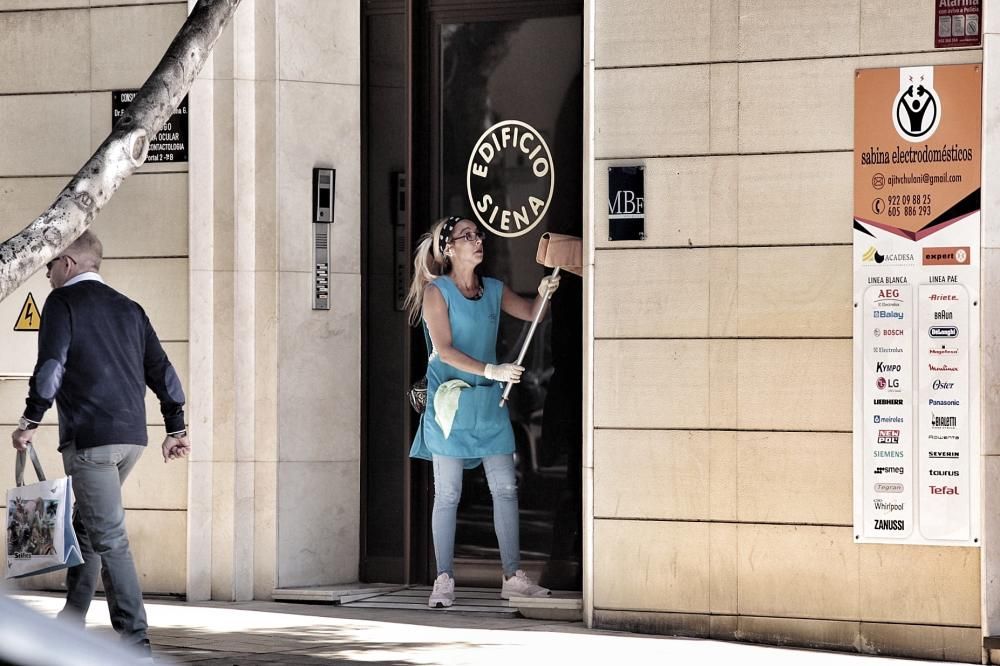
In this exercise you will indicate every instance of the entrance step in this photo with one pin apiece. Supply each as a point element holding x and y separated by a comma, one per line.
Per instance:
<point>482,601</point>
<point>564,606</point>
<point>334,594</point>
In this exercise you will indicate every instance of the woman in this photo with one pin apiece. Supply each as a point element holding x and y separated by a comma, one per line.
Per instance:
<point>464,424</point>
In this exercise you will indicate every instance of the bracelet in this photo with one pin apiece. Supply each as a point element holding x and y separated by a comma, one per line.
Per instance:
<point>178,434</point>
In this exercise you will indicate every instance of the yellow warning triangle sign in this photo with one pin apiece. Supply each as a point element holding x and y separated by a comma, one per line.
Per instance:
<point>29,319</point>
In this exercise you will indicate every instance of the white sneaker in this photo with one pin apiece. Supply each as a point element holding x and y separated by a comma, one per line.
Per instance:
<point>520,585</point>
<point>443,594</point>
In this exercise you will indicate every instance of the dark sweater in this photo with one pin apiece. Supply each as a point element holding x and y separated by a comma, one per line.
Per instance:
<point>97,352</point>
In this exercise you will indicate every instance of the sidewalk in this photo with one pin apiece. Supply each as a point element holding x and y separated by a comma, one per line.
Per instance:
<point>290,634</point>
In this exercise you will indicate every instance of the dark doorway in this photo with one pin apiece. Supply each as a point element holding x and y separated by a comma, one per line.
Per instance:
<point>385,533</point>
<point>469,66</point>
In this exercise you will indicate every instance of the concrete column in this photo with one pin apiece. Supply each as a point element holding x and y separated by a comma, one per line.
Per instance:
<point>231,549</point>
<point>200,412</point>
<point>318,56</point>
<point>281,96</point>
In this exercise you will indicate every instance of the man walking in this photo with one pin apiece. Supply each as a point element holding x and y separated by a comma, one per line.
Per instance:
<point>97,352</point>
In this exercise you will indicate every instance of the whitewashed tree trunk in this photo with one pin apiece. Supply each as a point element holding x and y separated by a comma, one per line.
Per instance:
<point>122,152</point>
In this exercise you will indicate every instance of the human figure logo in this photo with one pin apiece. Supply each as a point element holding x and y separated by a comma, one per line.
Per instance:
<point>916,111</point>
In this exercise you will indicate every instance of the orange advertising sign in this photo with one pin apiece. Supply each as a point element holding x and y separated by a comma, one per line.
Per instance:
<point>917,147</point>
<point>917,276</point>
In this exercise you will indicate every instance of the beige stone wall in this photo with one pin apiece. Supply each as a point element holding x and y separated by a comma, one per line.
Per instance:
<point>276,484</point>
<point>271,494</point>
<point>61,60</point>
<point>722,349</point>
<point>319,353</point>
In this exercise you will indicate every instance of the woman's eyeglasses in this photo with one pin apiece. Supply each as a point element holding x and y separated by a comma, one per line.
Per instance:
<point>470,236</point>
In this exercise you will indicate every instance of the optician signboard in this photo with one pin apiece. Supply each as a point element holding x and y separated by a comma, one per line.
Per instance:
<point>916,305</point>
<point>170,144</point>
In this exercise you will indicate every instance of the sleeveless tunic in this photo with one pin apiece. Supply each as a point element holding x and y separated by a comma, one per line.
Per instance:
<point>481,427</point>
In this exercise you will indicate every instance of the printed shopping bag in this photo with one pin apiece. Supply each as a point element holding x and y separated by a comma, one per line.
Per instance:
<point>40,536</point>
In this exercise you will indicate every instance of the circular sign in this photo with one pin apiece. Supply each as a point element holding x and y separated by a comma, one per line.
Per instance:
<point>510,178</point>
<point>916,112</point>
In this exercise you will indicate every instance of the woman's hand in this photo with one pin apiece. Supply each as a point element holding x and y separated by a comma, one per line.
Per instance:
<point>505,372</point>
<point>525,308</point>
<point>548,285</point>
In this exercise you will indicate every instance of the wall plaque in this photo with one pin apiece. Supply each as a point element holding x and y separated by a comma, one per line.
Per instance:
<point>917,276</point>
<point>956,23</point>
<point>626,203</point>
<point>171,143</point>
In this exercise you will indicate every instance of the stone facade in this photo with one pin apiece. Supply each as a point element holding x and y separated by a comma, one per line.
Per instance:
<point>62,59</point>
<point>218,251</point>
<point>718,350</point>
<point>722,342</point>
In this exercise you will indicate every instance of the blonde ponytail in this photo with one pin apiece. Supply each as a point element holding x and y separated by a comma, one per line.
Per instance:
<point>428,263</point>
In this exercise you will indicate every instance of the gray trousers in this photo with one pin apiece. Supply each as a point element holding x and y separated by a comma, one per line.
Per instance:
<point>99,521</point>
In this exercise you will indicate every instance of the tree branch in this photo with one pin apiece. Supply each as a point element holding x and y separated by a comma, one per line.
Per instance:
<point>122,152</point>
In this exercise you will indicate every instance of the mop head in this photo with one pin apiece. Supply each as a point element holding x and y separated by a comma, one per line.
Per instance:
<point>560,250</point>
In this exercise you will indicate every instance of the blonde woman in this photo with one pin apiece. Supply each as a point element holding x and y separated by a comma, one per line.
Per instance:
<point>464,424</point>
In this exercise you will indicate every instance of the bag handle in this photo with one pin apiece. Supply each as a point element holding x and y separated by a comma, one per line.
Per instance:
<point>19,466</point>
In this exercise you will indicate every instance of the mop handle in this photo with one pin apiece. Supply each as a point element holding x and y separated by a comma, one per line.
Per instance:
<point>527,340</point>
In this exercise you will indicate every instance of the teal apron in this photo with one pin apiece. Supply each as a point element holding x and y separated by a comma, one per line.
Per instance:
<point>481,426</point>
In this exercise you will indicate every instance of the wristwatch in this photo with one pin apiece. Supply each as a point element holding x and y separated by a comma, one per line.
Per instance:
<point>25,424</point>
<point>178,434</point>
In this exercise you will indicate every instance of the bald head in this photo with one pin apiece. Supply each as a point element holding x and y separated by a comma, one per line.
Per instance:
<point>87,251</point>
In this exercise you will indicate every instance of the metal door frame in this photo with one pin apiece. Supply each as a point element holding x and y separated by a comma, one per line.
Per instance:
<point>423,172</point>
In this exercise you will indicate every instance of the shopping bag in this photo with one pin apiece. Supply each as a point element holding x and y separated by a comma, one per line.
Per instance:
<point>40,536</point>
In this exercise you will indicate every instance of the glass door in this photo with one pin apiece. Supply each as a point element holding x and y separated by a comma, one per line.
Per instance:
<point>505,112</point>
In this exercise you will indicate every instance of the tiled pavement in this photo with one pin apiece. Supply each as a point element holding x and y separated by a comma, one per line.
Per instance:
<point>311,634</point>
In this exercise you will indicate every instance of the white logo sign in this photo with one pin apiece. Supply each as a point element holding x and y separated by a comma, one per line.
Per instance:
<point>510,178</point>
<point>916,111</point>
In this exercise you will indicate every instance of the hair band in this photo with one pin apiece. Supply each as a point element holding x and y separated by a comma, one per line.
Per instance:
<point>446,229</point>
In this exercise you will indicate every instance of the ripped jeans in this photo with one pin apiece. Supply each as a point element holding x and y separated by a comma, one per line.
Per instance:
<point>448,490</point>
